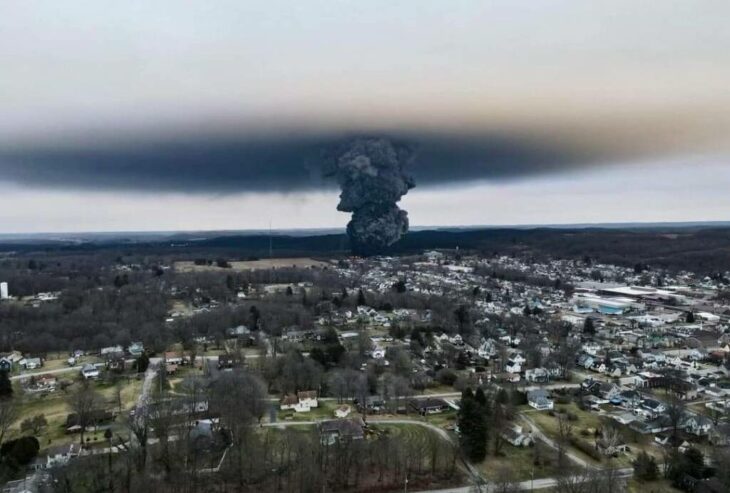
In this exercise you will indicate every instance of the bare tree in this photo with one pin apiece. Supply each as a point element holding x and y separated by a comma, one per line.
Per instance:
<point>504,482</point>
<point>84,401</point>
<point>676,411</point>
<point>8,415</point>
<point>565,431</point>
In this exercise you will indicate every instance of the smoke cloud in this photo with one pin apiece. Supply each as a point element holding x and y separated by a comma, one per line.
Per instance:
<point>224,164</point>
<point>372,177</point>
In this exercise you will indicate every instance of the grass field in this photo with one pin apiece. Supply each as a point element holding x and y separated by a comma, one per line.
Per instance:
<point>302,263</point>
<point>659,486</point>
<point>520,463</point>
<point>55,407</point>
<point>583,428</point>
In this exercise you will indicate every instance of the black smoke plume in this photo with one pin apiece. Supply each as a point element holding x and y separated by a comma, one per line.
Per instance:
<point>371,173</point>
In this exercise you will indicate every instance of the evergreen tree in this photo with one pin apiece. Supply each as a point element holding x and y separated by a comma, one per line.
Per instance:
<point>588,326</point>
<point>6,386</point>
<point>361,301</point>
<point>473,425</point>
<point>690,317</point>
<point>645,467</point>
<point>142,363</point>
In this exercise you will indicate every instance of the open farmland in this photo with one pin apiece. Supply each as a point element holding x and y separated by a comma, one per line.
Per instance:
<point>275,263</point>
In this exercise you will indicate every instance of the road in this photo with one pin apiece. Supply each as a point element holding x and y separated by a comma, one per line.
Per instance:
<point>537,484</point>
<point>149,377</point>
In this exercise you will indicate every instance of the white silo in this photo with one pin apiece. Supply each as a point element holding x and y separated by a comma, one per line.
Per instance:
<point>3,291</point>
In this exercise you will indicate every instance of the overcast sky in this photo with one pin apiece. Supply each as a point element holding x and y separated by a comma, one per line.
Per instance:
<point>167,115</point>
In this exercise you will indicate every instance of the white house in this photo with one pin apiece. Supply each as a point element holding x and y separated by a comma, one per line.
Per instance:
<point>303,402</point>
<point>111,350</point>
<point>308,398</point>
<point>343,411</point>
<point>89,371</point>
<point>540,400</point>
<point>57,456</point>
<point>513,366</point>
<point>516,437</point>
<point>31,363</point>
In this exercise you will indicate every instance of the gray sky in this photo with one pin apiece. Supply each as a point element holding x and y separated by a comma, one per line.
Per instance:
<point>524,111</point>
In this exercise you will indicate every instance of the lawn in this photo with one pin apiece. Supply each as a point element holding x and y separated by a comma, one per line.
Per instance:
<point>440,389</point>
<point>54,406</point>
<point>586,420</point>
<point>584,425</point>
<point>583,428</point>
<point>521,463</point>
<point>442,420</point>
<point>659,486</point>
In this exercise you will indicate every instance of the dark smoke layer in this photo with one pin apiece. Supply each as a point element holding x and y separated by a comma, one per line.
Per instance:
<point>371,173</point>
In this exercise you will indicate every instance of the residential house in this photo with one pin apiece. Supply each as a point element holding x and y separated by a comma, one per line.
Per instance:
<point>302,402</point>
<point>290,402</point>
<point>115,362</point>
<point>111,350</point>
<point>229,361</point>
<point>9,359</point>
<point>96,418</point>
<point>373,405</point>
<point>89,371</point>
<point>308,398</point>
<point>428,406</point>
<point>630,398</point>
<point>586,361</point>
<point>516,437</point>
<point>624,418</point>
<point>697,424</point>
<point>608,390</point>
<point>513,366</point>
<point>594,402</point>
<point>57,456</point>
<point>537,375</point>
<point>175,358</point>
<point>343,411</point>
<point>31,363</point>
<point>653,407</point>
<point>540,400</point>
<point>135,349</point>
<point>238,331</point>
<point>334,430</point>
<point>487,349</point>
<point>44,383</point>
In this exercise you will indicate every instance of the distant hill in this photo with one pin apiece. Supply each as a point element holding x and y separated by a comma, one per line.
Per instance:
<point>691,247</point>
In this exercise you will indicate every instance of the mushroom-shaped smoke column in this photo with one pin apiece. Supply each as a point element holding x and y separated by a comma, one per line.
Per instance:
<point>373,179</point>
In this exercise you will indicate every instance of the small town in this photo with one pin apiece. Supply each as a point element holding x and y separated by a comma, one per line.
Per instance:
<point>495,372</point>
